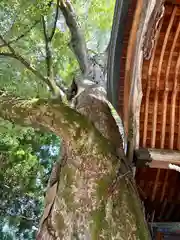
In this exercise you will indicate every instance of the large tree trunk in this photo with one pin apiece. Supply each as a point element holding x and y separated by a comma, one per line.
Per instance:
<point>95,195</point>
<point>92,194</point>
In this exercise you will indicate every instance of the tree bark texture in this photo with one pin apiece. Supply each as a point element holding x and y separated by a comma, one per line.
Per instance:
<point>93,193</point>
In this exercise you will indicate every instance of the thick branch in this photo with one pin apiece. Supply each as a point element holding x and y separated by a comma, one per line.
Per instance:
<point>20,36</point>
<point>54,116</point>
<point>77,43</point>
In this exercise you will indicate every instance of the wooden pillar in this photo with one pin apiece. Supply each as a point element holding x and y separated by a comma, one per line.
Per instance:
<point>159,236</point>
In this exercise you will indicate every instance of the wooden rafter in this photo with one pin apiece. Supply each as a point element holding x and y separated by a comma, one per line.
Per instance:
<point>166,91</point>
<point>153,139</point>
<point>149,88</point>
<point>173,104</point>
<point>154,124</point>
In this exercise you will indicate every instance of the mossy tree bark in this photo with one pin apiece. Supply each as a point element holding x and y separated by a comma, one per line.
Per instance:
<point>91,193</point>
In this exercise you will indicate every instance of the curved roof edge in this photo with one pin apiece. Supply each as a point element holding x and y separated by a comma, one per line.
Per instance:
<point>115,50</point>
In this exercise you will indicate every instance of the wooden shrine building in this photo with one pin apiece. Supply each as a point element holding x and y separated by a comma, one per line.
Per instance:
<point>144,87</point>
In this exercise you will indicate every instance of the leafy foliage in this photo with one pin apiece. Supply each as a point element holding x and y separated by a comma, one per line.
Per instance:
<point>19,17</point>
<point>96,19</point>
<point>26,158</point>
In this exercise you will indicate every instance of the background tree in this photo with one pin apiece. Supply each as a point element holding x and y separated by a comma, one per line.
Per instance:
<point>91,192</point>
<point>26,161</point>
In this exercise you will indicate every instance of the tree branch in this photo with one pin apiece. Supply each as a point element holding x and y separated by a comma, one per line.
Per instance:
<point>52,85</point>
<point>55,21</point>
<point>48,51</point>
<point>77,43</point>
<point>52,115</point>
<point>50,74</point>
<point>21,36</point>
<point>25,63</point>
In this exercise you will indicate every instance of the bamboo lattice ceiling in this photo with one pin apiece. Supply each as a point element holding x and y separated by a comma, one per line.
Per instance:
<point>160,115</point>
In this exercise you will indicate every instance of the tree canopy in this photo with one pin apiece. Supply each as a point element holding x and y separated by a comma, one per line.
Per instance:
<point>21,25</point>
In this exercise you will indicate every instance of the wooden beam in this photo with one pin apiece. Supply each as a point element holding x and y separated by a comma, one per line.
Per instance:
<point>156,158</point>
